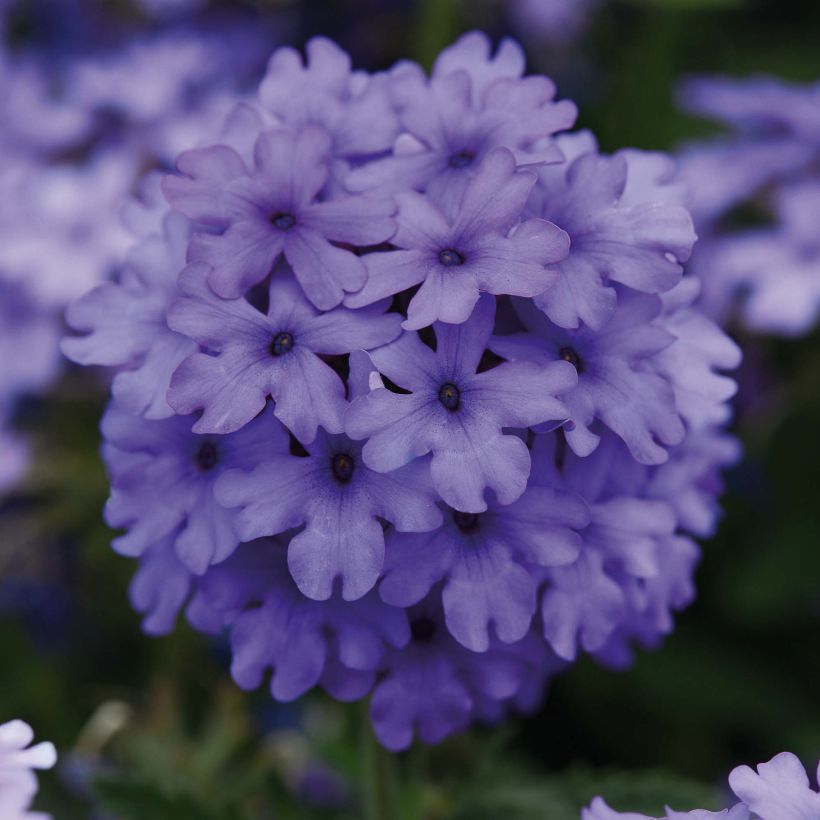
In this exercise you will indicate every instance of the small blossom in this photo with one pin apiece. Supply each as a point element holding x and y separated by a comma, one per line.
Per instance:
<point>614,384</point>
<point>18,784</point>
<point>162,479</point>
<point>457,260</point>
<point>266,354</point>
<point>615,234</point>
<point>456,413</point>
<point>272,210</point>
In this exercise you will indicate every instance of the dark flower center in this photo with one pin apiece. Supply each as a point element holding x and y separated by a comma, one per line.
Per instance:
<point>461,159</point>
<point>207,456</point>
<point>342,466</point>
<point>450,258</point>
<point>569,355</point>
<point>450,396</point>
<point>283,221</point>
<point>466,522</point>
<point>282,343</point>
<point>423,630</point>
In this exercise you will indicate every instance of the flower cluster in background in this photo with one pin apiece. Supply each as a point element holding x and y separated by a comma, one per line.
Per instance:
<point>755,196</point>
<point>431,409</point>
<point>117,102</point>
<point>776,790</point>
<point>18,783</point>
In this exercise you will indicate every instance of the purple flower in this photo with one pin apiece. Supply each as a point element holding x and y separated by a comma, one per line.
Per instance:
<point>767,275</point>
<point>450,122</point>
<point>18,784</point>
<point>303,642</point>
<point>266,354</point>
<point>778,789</point>
<point>433,662</point>
<point>757,105</point>
<point>598,810</point>
<point>690,363</point>
<point>272,210</point>
<point>614,386</point>
<point>458,259</point>
<point>473,53</point>
<point>771,274</point>
<point>26,104</point>
<point>61,226</point>
<point>484,561</point>
<point>162,479</point>
<point>348,483</point>
<point>353,108</point>
<point>457,414</point>
<point>624,547</point>
<point>341,503</point>
<point>160,586</point>
<point>634,237</point>
<point>29,339</point>
<point>690,481</point>
<point>125,322</point>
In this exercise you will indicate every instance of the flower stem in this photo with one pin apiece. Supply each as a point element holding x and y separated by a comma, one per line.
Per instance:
<point>379,783</point>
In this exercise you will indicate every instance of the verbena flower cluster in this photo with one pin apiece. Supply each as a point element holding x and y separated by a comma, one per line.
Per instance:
<point>412,398</point>
<point>764,173</point>
<point>18,783</point>
<point>79,125</point>
<point>777,790</point>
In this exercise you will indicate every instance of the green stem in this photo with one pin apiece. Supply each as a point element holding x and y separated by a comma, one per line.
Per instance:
<point>379,782</point>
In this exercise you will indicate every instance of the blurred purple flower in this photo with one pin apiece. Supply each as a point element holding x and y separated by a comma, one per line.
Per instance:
<point>778,790</point>
<point>18,784</point>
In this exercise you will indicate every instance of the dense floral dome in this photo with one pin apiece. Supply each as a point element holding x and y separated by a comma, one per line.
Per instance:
<point>413,398</point>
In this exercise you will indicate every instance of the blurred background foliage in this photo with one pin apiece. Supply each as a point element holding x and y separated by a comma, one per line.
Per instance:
<point>154,728</point>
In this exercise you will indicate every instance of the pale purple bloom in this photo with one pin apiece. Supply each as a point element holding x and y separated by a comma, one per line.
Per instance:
<point>633,236</point>
<point>599,810</point>
<point>691,364</point>
<point>625,548</point>
<point>691,480</point>
<point>125,322</point>
<point>484,561</point>
<point>768,276</point>
<point>253,355</point>
<point>372,508</point>
<point>160,586</point>
<point>457,259</point>
<point>62,232</point>
<point>338,644</point>
<point>778,790</point>
<point>771,275</point>
<point>156,95</point>
<point>273,209</point>
<point>615,386</point>
<point>162,480</point>
<point>757,105</point>
<point>457,414</point>
<point>401,706</point>
<point>18,759</point>
<point>451,121</point>
<point>341,503</point>
<point>26,104</point>
<point>352,107</point>
<point>777,132</point>
<point>29,336</point>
